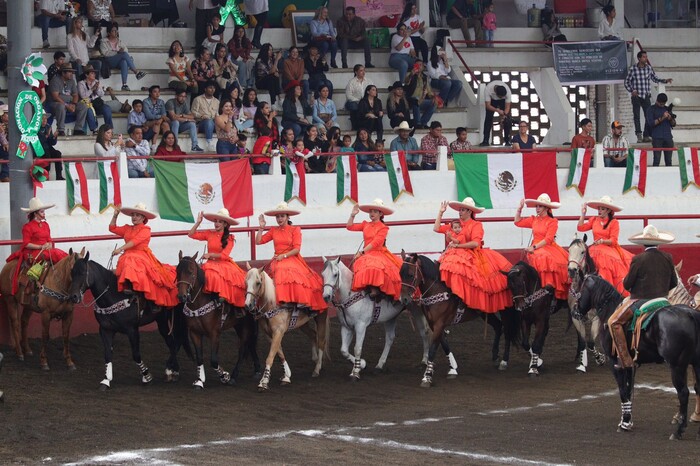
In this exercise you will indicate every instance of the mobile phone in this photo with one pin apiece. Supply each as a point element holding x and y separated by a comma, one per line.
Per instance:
<point>416,67</point>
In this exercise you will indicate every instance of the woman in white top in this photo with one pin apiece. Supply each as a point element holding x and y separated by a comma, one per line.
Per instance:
<point>609,29</point>
<point>181,78</point>
<point>117,55</point>
<point>439,71</point>
<point>104,146</point>
<point>403,55</point>
<point>78,43</point>
<point>100,12</point>
<point>416,28</point>
<point>91,93</point>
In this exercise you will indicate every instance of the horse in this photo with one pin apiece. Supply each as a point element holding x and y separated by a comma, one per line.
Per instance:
<point>207,317</point>
<point>442,308</point>
<point>357,311</point>
<point>51,301</point>
<point>278,320</point>
<point>117,312</point>
<point>672,336</point>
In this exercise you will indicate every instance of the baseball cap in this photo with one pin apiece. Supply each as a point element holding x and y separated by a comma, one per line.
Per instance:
<point>617,124</point>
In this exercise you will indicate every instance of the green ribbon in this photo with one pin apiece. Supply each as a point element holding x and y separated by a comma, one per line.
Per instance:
<point>29,129</point>
<point>232,8</point>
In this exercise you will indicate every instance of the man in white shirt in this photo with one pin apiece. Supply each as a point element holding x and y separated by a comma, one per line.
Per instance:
<point>355,91</point>
<point>496,99</point>
<point>205,108</point>
<point>53,15</point>
<point>137,145</point>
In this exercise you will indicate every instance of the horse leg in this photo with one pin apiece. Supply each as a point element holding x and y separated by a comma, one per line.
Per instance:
<point>541,330</point>
<point>581,352</point>
<point>424,332</point>
<point>452,373</point>
<point>107,337</point>
<point>389,336</point>
<point>360,331</point>
<point>15,324</point>
<point>312,334</point>
<point>172,367</point>
<point>196,338</point>
<point>598,352</point>
<point>45,327</point>
<point>625,385</point>
<point>135,342</point>
<point>215,338</point>
<point>427,380</point>
<point>23,337</point>
<point>253,344</point>
<point>65,324</point>
<point>243,333</point>
<point>695,417</point>
<point>679,377</point>
<point>497,326</point>
<point>276,334</point>
<point>345,339</point>
<point>509,320</point>
<point>322,331</point>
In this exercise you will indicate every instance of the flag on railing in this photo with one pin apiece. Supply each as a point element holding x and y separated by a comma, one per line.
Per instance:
<point>636,176</point>
<point>689,166</point>
<point>500,181</point>
<point>346,184</point>
<point>76,187</point>
<point>110,189</point>
<point>185,189</point>
<point>578,169</point>
<point>295,185</point>
<point>399,178</point>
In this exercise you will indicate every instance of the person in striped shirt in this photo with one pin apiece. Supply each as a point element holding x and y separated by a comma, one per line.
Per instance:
<point>638,83</point>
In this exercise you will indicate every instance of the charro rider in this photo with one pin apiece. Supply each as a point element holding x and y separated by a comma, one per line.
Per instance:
<point>651,275</point>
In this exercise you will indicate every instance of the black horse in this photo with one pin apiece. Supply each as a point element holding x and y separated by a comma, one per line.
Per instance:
<point>673,337</point>
<point>534,303</point>
<point>120,313</point>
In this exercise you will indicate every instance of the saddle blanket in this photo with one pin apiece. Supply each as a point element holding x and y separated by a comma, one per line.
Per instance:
<point>644,310</point>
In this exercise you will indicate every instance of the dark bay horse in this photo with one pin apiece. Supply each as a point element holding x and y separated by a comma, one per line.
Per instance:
<point>673,337</point>
<point>120,313</point>
<point>51,301</point>
<point>442,308</point>
<point>206,317</point>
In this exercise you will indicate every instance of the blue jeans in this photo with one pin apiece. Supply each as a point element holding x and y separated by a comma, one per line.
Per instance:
<point>5,167</point>
<point>449,88</point>
<point>428,166</point>
<point>245,125</point>
<point>208,127</point>
<point>92,118</point>
<point>324,46</point>
<point>352,108</point>
<point>133,173</point>
<point>245,77</point>
<point>46,22</point>
<point>178,127</point>
<point>488,36</point>
<point>296,127</point>
<point>316,81</point>
<point>226,147</point>
<point>401,62</point>
<point>426,108</point>
<point>363,167</point>
<point>261,169</point>
<point>124,62</point>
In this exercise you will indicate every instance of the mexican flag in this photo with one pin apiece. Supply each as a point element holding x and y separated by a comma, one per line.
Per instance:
<point>689,166</point>
<point>500,181</point>
<point>295,185</point>
<point>636,175</point>
<point>578,169</point>
<point>110,189</point>
<point>346,184</point>
<point>399,178</point>
<point>76,187</point>
<point>185,189</point>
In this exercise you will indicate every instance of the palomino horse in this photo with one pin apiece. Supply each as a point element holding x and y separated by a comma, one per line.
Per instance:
<point>117,312</point>
<point>207,317</point>
<point>672,337</point>
<point>442,309</point>
<point>278,320</point>
<point>51,301</point>
<point>534,303</point>
<point>357,311</point>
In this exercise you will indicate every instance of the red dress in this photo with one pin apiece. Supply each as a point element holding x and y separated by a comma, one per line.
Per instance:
<point>222,275</point>
<point>550,261</point>
<point>612,261</point>
<point>139,266</point>
<point>377,267</point>
<point>295,282</point>
<point>475,274</point>
<point>35,232</point>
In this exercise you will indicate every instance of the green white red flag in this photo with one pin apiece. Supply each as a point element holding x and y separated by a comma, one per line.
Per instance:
<point>399,178</point>
<point>295,185</point>
<point>76,187</point>
<point>578,169</point>
<point>636,175</point>
<point>689,167</point>
<point>346,181</point>
<point>110,189</point>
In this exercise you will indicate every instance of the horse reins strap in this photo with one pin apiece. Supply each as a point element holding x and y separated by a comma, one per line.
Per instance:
<point>435,299</point>
<point>62,298</point>
<point>199,312</point>
<point>536,296</point>
<point>114,308</point>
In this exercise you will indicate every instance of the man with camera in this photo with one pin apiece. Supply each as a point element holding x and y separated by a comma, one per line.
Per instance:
<point>638,83</point>
<point>496,99</point>
<point>53,15</point>
<point>661,120</point>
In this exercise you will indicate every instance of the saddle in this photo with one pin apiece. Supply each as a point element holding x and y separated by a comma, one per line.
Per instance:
<point>31,277</point>
<point>643,312</point>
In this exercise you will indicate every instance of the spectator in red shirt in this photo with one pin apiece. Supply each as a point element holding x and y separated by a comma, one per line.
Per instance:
<point>168,147</point>
<point>262,152</point>
<point>584,140</point>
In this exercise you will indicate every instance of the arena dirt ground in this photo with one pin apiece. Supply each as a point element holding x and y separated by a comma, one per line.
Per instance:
<point>482,417</point>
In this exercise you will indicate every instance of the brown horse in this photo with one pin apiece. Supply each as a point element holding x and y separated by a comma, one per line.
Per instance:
<point>51,301</point>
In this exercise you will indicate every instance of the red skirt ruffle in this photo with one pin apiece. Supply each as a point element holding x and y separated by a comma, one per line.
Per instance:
<point>613,263</point>
<point>551,262</point>
<point>296,283</point>
<point>378,268</point>
<point>227,279</point>
<point>147,275</point>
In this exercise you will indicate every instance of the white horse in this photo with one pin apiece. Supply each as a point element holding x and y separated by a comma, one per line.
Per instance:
<point>357,311</point>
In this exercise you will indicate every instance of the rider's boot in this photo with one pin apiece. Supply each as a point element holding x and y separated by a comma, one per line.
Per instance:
<point>127,288</point>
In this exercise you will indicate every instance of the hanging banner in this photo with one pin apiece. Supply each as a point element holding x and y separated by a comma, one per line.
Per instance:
<point>371,10</point>
<point>29,129</point>
<point>601,62</point>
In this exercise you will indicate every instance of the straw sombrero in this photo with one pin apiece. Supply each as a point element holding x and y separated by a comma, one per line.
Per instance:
<point>139,208</point>
<point>36,204</point>
<point>650,236</point>
<point>222,214</point>
<point>376,204</point>
<point>403,126</point>
<point>543,200</point>
<point>605,201</point>
<point>282,208</point>
<point>467,203</point>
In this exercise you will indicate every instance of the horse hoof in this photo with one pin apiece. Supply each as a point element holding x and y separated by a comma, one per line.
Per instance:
<point>581,368</point>
<point>284,383</point>
<point>263,388</point>
<point>232,382</point>
<point>198,385</point>
<point>695,417</point>
<point>146,380</point>
<point>380,370</point>
<point>451,376</point>
<point>72,367</point>
<point>675,436</point>
<point>45,367</point>
<point>103,387</point>
<point>197,388</point>
<point>425,384</point>
<point>503,366</point>
<point>533,373</point>
<point>354,378</point>
<point>29,353</point>
<point>21,358</point>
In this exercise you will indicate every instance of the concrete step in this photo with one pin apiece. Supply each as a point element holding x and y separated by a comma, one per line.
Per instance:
<point>682,75</point>
<point>689,95</point>
<point>675,57</point>
<point>686,133</point>
<point>686,114</point>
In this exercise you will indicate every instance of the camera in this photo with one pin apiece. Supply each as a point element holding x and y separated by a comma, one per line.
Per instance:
<point>510,121</point>
<point>670,111</point>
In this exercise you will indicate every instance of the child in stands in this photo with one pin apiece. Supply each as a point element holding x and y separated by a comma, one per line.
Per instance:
<point>489,23</point>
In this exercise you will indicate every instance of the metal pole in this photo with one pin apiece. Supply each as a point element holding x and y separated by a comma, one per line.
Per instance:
<point>19,37</point>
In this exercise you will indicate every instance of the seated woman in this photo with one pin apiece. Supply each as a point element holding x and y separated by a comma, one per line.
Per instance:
<point>181,78</point>
<point>78,43</point>
<point>203,69</point>
<point>117,55</point>
<point>266,117</point>
<point>91,93</point>
<point>316,144</point>
<point>239,48</point>
<point>609,29</point>
<point>316,66</point>
<point>324,35</point>
<point>550,28</point>
<point>370,110</point>
<point>249,106</point>
<point>295,109</point>
<point>439,70</point>
<point>267,74</point>
<point>523,140</point>
<point>324,113</point>
<point>397,106</point>
<point>293,70</point>
<point>225,71</point>
<point>365,162</point>
<point>168,147</point>
<point>402,55</point>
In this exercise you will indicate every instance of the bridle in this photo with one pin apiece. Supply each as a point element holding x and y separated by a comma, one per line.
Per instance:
<point>528,298</point>
<point>256,296</point>
<point>190,285</point>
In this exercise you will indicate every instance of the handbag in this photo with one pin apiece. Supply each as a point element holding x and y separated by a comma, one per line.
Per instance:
<point>98,104</point>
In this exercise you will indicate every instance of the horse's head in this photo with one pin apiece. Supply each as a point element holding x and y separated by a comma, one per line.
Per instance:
<point>255,287</point>
<point>188,276</point>
<point>680,294</point>
<point>578,251</point>
<point>80,278</point>
<point>411,277</point>
<point>517,286</point>
<point>331,277</point>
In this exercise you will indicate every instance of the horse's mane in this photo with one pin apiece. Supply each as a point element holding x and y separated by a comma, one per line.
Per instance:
<point>529,271</point>
<point>269,286</point>
<point>105,273</point>
<point>429,267</point>
<point>604,296</point>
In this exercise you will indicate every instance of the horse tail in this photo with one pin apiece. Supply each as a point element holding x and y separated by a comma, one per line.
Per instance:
<point>511,325</point>
<point>327,341</point>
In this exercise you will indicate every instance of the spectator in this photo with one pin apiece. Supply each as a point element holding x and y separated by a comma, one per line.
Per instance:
<point>430,142</point>
<point>489,23</point>
<point>316,66</point>
<point>239,48</point>
<point>103,143</point>
<point>420,95</point>
<point>465,14</point>
<point>550,28</point>
<point>168,148</point>
<point>59,59</point>
<point>293,70</point>
<point>262,153</point>
<point>48,141</point>
<point>460,144</point>
<point>295,109</point>
<point>215,34</point>
<point>267,75</point>
<point>117,55</point>
<point>181,78</point>
<point>78,43</point>
<point>3,56</point>
<point>258,9</point>
<point>64,99</point>
<point>182,119</point>
<point>323,34</point>
<point>226,132</point>
<point>266,117</point>
<point>334,145</point>
<point>609,29</point>
<point>100,13</point>
<point>225,71</point>
<point>379,158</point>
<point>352,33</point>
<point>439,70</point>
<point>523,140</point>
<point>162,10</point>
<point>205,108</point>
<point>234,96</point>
<point>246,118</point>
<point>660,122</point>
<point>138,168</point>
<point>205,11</point>
<point>355,91</point>
<point>154,109</point>
<point>91,94</point>
<point>150,128</point>
<point>416,27</point>
<point>241,148</point>
<point>403,55</point>
<point>584,140</point>
<point>405,142</point>
<point>497,96</point>
<point>363,143</point>
<point>615,158</point>
<point>53,15</point>
<point>397,106</point>
<point>316,163</point>
<point>324,113</point>
<point>203,69</point>
<point>4,144</point>
<point>371,111</point>
<point>638,83</point>
<point>287,143</point>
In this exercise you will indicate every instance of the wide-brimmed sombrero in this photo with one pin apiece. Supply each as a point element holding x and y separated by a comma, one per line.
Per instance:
<point>36,204</point>
<point>139,208</point>
<point>376,204</point>
<point>543,200</point>
<point>605,201</point>
<point>467,203</point>
<point>650,236</point>
<point>282,208</point>
<point>403,126</point>
<point>222,214</point>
